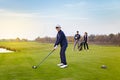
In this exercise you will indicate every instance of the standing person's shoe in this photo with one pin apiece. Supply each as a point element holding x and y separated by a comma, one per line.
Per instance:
<point>63,66</point>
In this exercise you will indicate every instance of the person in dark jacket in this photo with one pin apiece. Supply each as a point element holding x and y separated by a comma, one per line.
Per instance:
<point>86,41</point>
<point>77,39</point>
<point>61,39</point>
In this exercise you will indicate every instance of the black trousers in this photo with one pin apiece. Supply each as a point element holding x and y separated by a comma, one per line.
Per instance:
<point>86,45</point>
<point>62,55</point>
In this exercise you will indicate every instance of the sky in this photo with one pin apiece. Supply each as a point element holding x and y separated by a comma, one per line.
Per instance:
<point>32,18</point>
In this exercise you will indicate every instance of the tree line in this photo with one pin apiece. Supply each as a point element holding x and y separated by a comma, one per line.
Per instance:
<point>111,39</point>
<point>15,40</point>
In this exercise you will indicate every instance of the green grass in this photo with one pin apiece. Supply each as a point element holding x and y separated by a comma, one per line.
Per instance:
<point>84,65</point>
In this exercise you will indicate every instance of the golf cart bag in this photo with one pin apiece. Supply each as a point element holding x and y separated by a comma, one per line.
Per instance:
<point>80,46</point>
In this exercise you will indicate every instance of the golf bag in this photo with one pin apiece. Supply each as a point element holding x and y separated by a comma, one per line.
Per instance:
<point>80,46</point>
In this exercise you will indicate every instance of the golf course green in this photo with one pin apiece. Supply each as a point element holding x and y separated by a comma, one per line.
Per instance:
<point>82,65</point>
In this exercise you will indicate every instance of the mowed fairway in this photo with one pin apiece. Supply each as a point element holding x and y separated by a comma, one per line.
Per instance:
<point>84,65</point>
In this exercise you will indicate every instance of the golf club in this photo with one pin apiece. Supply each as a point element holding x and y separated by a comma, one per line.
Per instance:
<point>35,67</point>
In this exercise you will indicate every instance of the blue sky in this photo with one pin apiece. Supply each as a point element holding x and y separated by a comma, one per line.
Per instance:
<point>32,18</point>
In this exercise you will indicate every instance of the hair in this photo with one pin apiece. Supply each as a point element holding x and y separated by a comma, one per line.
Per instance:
<point>86,33</point>
<point>58,27</point>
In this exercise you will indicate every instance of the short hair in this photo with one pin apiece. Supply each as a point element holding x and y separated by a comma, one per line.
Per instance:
<point>58,27</point>
<point>85,32</point>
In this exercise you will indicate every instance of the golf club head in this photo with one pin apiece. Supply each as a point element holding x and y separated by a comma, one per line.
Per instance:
<point>34,67</point>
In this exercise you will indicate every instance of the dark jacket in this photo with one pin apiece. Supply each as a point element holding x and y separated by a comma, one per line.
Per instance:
<point>77,37</point>
<point>61,39</point>
<point>85,38</point>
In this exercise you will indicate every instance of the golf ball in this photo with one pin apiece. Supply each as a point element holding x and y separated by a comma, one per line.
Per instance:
<point>34,67</point>
<point>104,66</point>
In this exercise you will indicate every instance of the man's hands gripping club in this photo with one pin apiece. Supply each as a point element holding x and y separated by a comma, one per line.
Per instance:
<point>55,47</point>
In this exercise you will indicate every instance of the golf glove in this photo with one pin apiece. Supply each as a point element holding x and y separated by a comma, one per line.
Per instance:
<point>55,47</point>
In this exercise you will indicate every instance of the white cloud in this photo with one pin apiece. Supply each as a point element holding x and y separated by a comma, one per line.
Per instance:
<point>74,5</point>
<point>14,14</point>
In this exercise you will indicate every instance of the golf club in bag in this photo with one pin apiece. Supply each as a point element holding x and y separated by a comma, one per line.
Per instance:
<point>35,67</point>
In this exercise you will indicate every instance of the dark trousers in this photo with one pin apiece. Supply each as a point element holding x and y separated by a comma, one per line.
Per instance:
<point>62,55</point>
<point>86,45</point>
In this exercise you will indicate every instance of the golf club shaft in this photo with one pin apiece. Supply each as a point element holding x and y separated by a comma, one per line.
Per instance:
<point>45,57</point>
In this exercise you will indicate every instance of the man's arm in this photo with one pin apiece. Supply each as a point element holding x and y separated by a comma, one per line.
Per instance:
<point>59,39</point>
